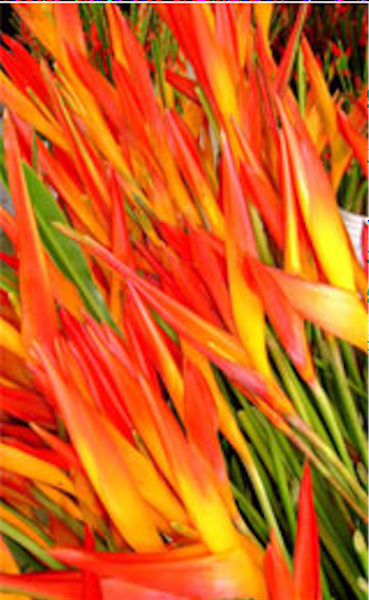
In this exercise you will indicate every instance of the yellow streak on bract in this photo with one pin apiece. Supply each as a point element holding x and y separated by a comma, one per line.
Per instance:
<point>11,339</point>
<point>26,465</point>
<point>63,501</point>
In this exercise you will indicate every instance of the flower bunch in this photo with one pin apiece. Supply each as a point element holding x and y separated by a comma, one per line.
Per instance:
<point>182,317</point>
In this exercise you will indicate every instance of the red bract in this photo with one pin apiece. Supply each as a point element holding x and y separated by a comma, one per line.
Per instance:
<point>304,583</point>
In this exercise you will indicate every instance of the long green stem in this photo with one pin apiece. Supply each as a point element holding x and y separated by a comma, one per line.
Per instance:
<point>252,515</point>
<point>350,360</point>
<point>248,461</point>
<point>31,524</point>
<point>343,565</point>
<point>249,426</point>
<point>282,483</point>
<point>301,82</point>
<point>295,389</point>
<point>351,414</point>
<point>261,237</point>
<point>338,468</point>
<point>266,506</point>
<point>361,550</point>
<point>331,422</point>
<point>30,545</point>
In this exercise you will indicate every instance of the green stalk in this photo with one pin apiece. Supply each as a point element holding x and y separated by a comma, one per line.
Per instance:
<point>332,526</point>
<point>352,187</point>
<point>331,423</point>
<point>251,514</point>
<point>25,561</point>
<point>351,415</point>
<point>363,586</point>
<point>360,197</point>
<point>294,388</point>
<point>340,471</point>
<point>261,237</point>
<point>249,461</point>
<point>158,59</point>
<point>266,506</point>
<point>287,376</point>
<point>31,524</point>
<point>248,425</point>
<point>144,27</point>
<point>281,479</point>
<point>301,82</point>
<point>345,566</point>
<point>235,472</point>
<point>328,376</point>
<point>32,547</point>
<point>291,461</point>
<point>330,574</point>
<point>208,111</point>
<point>361,550</point>
<point>326,360</point>
<point>362,474</point>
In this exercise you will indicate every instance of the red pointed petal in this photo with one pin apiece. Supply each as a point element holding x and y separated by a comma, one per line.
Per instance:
<point>104,92</point>
<point>279,579</point>
<point>358,142</point>
<point>307,561</point>
<point>91,582</point>
<point>286,64</point>
<point>209,267</point>
<point>201,419</point>
<point>264,196</point>
<point>160,352</point>
<point>62,448</point>
<point>240,240</point>
<point>39,320</point>
<point>26,406</point>
<point>318,204</point>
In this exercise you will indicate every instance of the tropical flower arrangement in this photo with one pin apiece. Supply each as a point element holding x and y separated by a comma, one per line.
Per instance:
<point>183,315</point>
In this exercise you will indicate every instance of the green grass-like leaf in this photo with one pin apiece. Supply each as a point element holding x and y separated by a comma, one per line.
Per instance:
<point>66,253</point>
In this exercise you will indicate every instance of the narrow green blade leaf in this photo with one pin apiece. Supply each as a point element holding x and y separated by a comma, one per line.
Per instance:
<point>65,252</point>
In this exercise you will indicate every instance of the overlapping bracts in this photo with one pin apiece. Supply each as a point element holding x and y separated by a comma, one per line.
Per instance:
<point>173,214</point>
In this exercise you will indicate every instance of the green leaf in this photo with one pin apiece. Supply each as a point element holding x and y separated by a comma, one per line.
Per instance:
<point>3,175</point>
<point>8,279</point>
<point>31,546</point>
<point>66,253</point>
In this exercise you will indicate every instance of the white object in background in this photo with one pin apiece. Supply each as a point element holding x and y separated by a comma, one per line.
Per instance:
<point>355,225</point>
